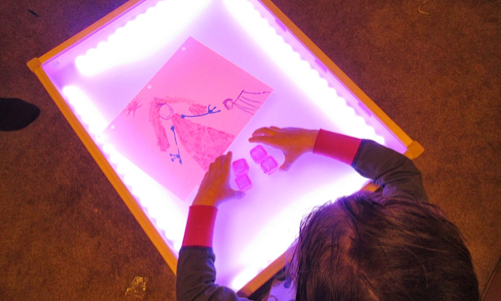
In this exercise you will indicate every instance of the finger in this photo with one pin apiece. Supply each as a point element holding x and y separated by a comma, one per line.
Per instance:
<point>211,166</point>
<point>285,166</point>
<point>275,128</point>
<point>263,139</point>
<point>287,163</point>
<point>263,132</point>
<point>206,175</point>
<point>239,194</point>
<point>229,155</point>
<point>232,195</point>
<point>220,161</point>
<point>227,161</point>
<point>235,194</point>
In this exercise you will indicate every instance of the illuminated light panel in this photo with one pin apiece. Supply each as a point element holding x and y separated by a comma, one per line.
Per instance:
<point>244,277</point>
<point>87,111</point>
<point>152,196</point>
<point>300,71</point>
<point>145,37</point>
<point>141,37</point>
<point>282,230</point>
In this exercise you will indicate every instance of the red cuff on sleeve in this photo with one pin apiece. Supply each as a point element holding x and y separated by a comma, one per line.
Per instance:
<point>337,146</point>
<point>200,226</point>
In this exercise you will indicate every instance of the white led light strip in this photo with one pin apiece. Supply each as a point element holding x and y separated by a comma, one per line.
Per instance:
<point>153,197</point>
<point>88,113</point>
<point>300,72</point>
<point>141,36</point>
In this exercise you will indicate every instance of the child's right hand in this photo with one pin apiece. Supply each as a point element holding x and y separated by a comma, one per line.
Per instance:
<point>293,142</point>
<point>215,187</point>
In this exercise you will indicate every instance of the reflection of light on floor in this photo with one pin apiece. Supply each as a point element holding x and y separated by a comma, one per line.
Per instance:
<point>141,36</point>
<point>283,229</point>
<point>300,71</point>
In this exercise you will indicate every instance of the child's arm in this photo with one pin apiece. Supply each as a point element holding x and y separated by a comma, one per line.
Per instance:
<point>394,172</point>
<point>196,273</point>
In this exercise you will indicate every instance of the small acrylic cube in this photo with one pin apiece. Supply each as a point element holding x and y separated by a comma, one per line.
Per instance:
<point>240,167</point>
<point>258,154</point>
<point>269,165</point>
<point>243,182</point>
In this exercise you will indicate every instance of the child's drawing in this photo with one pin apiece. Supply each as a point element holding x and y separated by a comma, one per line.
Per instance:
<point>177,156</point>
<point>179,124</point>
<point>245,102</point>
<point>202,143</point>
<point>133,106</point>
<point>209,111</point>
<point>194,137</point>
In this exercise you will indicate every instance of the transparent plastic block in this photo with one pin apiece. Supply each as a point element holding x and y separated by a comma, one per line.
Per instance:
<point>240,167</point>
<point>269,165</point>
<point>243,182</point>
<point>258,154</point>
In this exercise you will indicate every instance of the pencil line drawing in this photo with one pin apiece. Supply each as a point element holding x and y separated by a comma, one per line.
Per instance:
<point>155,119</point>
<point>209,111</point>
<point>133,106</point>
<point>244,102</point>
<point>178,155</point>
<point>203,143</point>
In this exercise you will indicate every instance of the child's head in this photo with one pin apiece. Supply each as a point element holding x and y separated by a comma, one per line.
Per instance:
<point>361,248</point>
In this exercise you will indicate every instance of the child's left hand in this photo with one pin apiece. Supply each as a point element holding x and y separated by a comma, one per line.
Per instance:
<point>215,187</point>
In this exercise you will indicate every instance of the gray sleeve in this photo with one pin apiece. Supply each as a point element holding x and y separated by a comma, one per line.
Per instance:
<point>395,173</point>
<point>196,276</point>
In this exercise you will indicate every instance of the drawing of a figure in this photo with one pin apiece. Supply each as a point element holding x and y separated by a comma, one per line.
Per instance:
<point>244,102</point>
<point>155,119</point>
<point>202,143</point>
<point>185,116</point>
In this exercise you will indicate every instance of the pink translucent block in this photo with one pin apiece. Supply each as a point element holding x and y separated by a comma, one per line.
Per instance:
<point>258,154</point>
<point>269,165</point>
<point>243,182</point>
<point>240,167</point>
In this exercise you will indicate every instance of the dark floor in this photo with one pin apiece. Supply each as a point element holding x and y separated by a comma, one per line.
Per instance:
<point>65,233</point>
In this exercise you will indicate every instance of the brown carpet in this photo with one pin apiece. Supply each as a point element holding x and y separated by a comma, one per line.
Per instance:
<point>66,235</point>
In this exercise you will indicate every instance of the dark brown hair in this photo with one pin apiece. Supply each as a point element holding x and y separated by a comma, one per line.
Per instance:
<point>365,247</point>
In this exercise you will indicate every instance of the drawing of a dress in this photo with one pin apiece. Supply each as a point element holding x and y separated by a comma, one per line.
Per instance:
<point>202,143</point>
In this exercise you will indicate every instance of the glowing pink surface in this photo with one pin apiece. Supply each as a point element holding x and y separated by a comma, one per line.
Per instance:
<point>249,233</point>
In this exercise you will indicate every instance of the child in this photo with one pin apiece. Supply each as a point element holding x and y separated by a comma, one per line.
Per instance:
<point>387,245</point>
